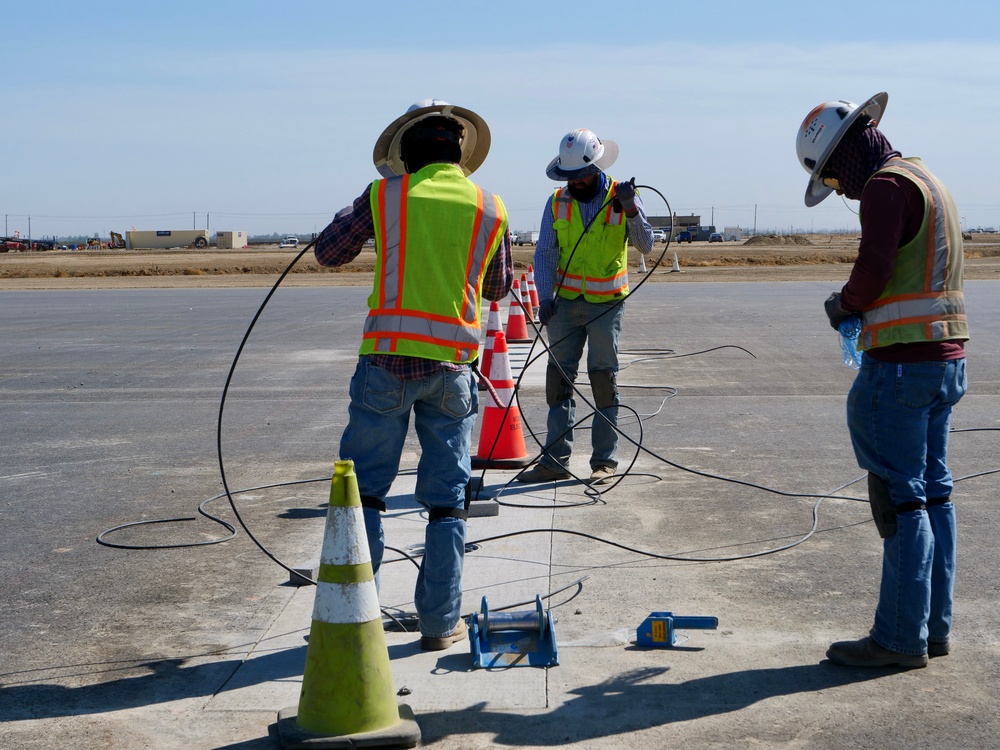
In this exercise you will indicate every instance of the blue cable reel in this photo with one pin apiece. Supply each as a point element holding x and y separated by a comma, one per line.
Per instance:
<point>513,639</point>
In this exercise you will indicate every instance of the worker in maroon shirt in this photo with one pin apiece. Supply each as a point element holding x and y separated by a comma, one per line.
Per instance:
<point>906,287</point>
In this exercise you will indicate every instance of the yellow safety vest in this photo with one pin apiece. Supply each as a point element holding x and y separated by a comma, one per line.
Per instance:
<point>435,233</point>
<point>598,268</point>
<point>923,300</point>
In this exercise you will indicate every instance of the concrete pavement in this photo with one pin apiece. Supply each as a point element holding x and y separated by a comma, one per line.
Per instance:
<point>111,401</point>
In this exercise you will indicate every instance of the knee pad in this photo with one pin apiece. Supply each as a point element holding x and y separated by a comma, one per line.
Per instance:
<point>557,388</point>
<point>604,386</point>
<point>436,513</point>
<point>367,501</point>
<point>884,510</point>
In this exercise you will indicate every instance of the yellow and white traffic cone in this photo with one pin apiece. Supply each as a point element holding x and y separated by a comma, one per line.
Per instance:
<point>347,694</point>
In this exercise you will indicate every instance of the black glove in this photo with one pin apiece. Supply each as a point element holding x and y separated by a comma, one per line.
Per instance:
<point>625,195</point>
<point>546,310</point>
<point>835,312</point>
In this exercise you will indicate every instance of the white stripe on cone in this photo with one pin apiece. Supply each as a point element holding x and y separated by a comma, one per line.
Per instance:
<point>343,544</point>
<point>346,603</point>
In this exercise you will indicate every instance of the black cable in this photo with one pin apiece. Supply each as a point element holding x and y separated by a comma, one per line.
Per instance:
<point>596,495</point>
<point>222,404</point>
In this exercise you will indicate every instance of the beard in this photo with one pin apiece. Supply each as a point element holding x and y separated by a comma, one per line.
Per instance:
<point>583,193</point>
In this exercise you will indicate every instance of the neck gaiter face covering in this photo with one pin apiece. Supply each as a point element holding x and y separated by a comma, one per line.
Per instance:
<point>858,156</point>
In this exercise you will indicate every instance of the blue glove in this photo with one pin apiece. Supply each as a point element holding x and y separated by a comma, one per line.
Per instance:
<point>835,312</point>
<point>625,195</point>
<point>546,309</point>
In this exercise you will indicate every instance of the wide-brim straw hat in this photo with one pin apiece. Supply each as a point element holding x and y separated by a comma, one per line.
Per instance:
<point>475,139</point>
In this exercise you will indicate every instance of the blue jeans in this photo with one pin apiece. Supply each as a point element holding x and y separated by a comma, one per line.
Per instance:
<point>444,407</point>
<point>899,417</point>
<point>575,323</point>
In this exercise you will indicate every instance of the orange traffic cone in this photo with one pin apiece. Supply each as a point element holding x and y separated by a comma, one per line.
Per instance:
<point>529,309</point>
<point>517,326</point>
<point>501,442</point>
<point>532,291</point>
<point>493,326</point>
<point>347,690</point>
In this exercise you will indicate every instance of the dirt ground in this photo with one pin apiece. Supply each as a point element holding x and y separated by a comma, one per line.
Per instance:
<point>761,258</point>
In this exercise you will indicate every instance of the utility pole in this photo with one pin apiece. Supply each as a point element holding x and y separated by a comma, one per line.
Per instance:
<point>755,219</point>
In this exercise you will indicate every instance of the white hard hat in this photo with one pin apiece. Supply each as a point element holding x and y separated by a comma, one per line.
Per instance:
<point>475,140</point>
<point>822,131</point>
<point>581,153</point>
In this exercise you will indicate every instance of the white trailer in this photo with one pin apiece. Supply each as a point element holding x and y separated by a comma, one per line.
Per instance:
<point>732,234</point>
<point>163,239</point>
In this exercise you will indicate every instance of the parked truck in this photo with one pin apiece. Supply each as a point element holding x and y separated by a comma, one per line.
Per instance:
<point>525,237</point>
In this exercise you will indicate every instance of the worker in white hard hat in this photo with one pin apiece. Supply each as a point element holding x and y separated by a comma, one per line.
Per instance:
<point>422,333</point>
<point>581,276</point>
<point>906,287</point>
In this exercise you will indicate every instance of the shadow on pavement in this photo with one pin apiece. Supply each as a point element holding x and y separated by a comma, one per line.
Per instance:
<point>168,680</point>
<point>624,704</point>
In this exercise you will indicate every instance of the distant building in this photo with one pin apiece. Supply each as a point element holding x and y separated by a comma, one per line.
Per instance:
<point>692,223</point>
<point>231,240</point>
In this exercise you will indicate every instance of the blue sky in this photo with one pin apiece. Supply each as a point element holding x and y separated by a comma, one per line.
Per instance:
<point>261,116</point>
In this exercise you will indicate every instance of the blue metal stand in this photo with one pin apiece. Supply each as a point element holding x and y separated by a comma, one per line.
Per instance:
<point>513,639</point>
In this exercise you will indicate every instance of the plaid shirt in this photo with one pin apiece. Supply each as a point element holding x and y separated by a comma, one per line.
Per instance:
<point>341,242</point>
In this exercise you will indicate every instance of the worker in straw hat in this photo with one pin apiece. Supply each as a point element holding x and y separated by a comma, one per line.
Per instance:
<point>906,287</point>
<point>422,333</point>
<point>581,276</point>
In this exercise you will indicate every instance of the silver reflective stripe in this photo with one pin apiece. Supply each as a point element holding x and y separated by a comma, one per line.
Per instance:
<point>612,285</point>
<point>420,328</point>
<point>489,220</point>
<point>394,194</point>
<point>939,232</point>
<point>947,305</point>
<point>571,283</point>
<point>563,205</point>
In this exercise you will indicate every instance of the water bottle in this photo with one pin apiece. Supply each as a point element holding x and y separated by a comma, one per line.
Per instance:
<point>850,329</point>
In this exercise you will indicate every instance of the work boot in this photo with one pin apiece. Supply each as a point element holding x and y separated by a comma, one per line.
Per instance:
<point>427,643</point>
<point>602,475</point>
<point>867,653</point>
<point>542,473</point>
<point>937,648</point>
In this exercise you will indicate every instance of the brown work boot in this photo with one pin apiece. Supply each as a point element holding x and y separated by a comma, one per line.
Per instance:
<point>542,473</point>
<point>602,475</point>
<point>427,643</point>
<point>867,653</point>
